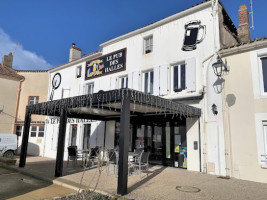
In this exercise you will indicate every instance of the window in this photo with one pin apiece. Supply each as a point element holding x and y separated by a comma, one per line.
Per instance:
<point>264,73</point>
<point>79,71</point>
<point>18,130</point>
<point>148,44</point>
<point>124,82</point>
<point>41,131</point>
<point>89,88</point>
<point>148,78</point>
<point>33,131</point>
<point>179,78</point>
<point>33,100</point>
<point>265,137</point>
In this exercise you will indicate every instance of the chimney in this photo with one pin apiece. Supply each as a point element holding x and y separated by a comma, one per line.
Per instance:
<point>7,60</point>
<point>243,28</point>
<point>75,52</point>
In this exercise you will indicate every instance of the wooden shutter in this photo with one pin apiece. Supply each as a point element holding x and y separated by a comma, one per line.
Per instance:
<point>113,81</point>
<point>163,77</point>
<point>136,80</point>
<point>93,134</point>
<point>96,86</point>
<point>100,134</point>
<point>130,80</point>
<point>110,134</point>
<point>156,81</point>
<point>190,74</point>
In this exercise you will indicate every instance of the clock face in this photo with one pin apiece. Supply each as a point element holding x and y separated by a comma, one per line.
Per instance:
<point>56,81</point>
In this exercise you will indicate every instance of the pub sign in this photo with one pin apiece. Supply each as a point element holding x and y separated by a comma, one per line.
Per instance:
<point>107,64</point>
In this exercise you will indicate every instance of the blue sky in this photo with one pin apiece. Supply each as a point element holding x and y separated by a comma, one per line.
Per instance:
<point>46,29</point>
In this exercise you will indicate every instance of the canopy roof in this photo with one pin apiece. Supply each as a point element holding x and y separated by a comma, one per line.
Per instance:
<point>107,105</point>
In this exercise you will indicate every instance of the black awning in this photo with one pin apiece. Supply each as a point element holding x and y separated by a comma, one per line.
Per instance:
<point>107,105</point>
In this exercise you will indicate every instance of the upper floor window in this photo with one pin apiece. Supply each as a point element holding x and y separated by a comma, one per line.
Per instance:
<point>79,71</point>
<point>148,80</point>
<point>264,73</point>
<point>124,82</point>
<point>89,89</point>
<point>148,44</point>
<point>179,78</point>
<point>33,100</point>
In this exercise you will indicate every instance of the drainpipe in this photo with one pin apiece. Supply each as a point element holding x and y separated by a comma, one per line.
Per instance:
<point>17,104</point>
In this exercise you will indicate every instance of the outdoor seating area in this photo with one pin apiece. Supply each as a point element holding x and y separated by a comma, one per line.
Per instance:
<point>94,157</point>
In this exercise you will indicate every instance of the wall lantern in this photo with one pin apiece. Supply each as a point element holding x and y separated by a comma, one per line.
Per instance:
<point>219,67</point>
<point>214,109</point>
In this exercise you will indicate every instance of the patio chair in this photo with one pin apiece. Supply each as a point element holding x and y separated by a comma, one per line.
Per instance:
<point>91,157</point>
<point>142,163</point>
<point>73,155</point>
<point>137,153</point>
<point>112,159</point>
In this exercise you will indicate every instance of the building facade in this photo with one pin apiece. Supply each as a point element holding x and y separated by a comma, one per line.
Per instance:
<point>171,58</point>
<point>10,84</point>
<point>33,90</point>
<point>245,114</point>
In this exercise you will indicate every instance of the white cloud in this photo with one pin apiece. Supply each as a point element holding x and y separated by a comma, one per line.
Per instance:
<point>23,59</point>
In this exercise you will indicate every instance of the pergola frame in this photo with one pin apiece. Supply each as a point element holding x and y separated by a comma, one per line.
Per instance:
<point>120,104</point>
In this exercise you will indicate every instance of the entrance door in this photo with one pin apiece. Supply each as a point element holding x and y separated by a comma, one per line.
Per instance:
<point>175,145</point>
<point>86,136</point>
<point>155,145</point>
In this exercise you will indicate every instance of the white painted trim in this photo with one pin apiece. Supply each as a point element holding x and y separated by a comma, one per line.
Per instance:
<point>260,119</point>
<point>159,23</point>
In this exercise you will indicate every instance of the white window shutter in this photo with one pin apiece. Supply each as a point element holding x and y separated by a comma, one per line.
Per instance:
<point>130,80</point>
<point>136,80</point>
<point>96,86</point>
<point>163,77</point>
<point>190,74</point>
<point>156,81</point>
<point>113,81</point>
<point>81,89</point>
<point>100,134</point>
<point>110,134</point>
<point>93,136</point>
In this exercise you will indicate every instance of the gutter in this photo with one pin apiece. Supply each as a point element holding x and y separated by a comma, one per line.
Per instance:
<point>17,104</point>
<point>195,97</point>
<point>243,48</point>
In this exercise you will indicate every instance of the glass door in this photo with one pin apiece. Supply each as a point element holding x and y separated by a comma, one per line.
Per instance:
<point>86,136</point>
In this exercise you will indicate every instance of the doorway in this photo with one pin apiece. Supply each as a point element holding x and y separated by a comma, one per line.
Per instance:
<point>86,136</point>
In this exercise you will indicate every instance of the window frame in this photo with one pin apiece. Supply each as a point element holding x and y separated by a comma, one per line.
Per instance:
<point>148,48</point>
<point>19,131</point>
<point>182,90</point>
<point>91,88</point>
<point>126,82</point>
<point>34,100</point>
<point>261,78</point>
<point>149,87</point>
<point>36,131</point>
<point>78,71</point>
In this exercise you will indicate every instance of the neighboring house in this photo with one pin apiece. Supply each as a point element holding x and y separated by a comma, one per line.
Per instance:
<point>10,84</point>
<point>171,58</point>
<point>245,109</point>
<point>33,90</point>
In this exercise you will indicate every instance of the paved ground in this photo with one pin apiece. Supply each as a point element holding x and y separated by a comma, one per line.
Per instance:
<point>16,186</point>
<point>160,184</point>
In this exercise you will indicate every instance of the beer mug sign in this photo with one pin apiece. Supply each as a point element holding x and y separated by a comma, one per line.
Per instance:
<point>194,34</point>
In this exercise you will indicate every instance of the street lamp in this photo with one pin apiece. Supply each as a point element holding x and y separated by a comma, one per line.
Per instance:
<point>219,67</point>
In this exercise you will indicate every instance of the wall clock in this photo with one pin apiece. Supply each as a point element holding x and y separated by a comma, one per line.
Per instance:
<point>55,84</point>
<point>56,80</point>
